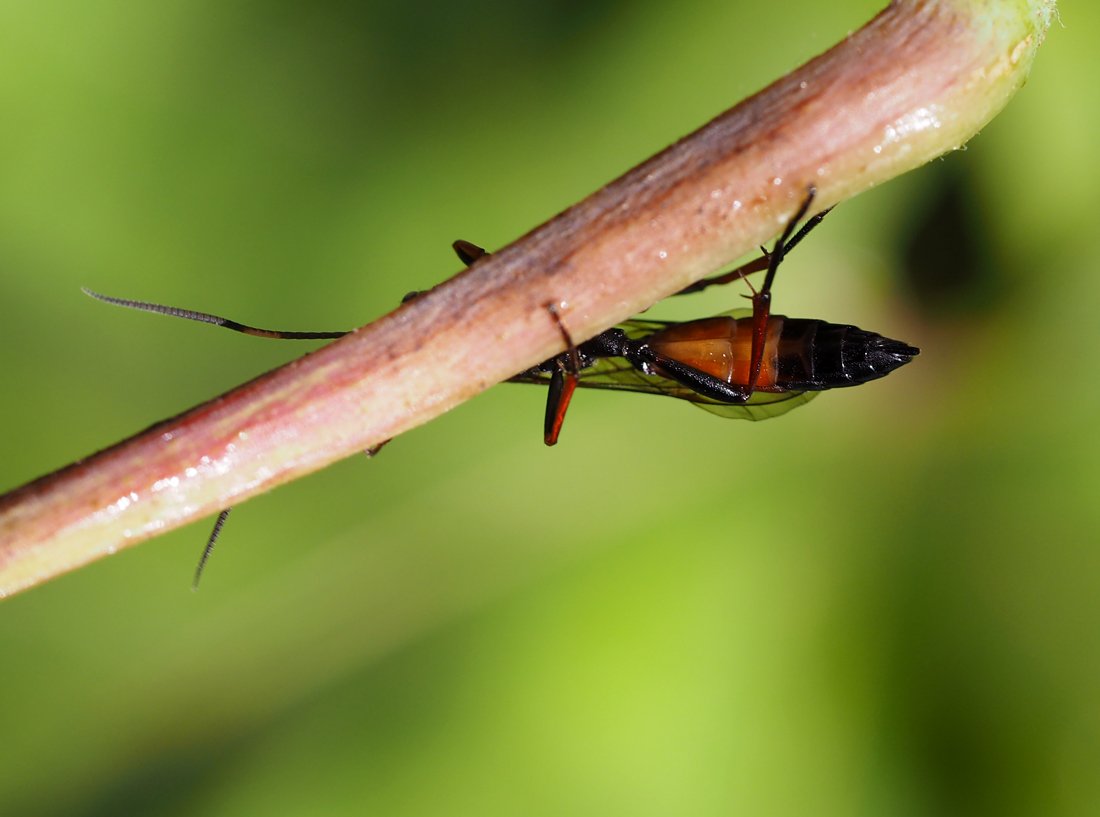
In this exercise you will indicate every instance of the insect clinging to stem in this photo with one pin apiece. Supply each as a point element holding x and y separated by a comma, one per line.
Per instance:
<point>746,364</point>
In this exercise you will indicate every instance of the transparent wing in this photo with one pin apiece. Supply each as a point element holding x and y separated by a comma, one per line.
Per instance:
<point>761,406</point>
<point>641,327</point>
<point>616,374</point>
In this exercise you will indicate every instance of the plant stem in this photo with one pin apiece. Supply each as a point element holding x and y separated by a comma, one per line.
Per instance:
<point>918,80</point>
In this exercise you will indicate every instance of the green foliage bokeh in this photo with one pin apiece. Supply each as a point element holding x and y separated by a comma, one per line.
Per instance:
<point>883,603</point>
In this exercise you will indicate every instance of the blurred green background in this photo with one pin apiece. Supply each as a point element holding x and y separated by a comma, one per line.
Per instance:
<point>884,603</point>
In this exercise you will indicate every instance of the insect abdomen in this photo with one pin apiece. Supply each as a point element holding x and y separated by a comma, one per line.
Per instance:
<point>814,355</point>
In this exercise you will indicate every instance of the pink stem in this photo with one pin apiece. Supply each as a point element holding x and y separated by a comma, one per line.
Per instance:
<point>919,79</point>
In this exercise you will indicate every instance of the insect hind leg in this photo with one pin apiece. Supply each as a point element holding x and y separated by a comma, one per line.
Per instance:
<point>762,300</point>
<point>706,385</point>
<point>764,261</point>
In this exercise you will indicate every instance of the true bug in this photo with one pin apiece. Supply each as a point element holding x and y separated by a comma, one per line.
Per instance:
<point>747,364</point>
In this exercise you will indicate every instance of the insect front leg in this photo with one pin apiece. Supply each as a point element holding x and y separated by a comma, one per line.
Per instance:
<point>468,252</point>
<point>565,368</point>
<point>563,382</point>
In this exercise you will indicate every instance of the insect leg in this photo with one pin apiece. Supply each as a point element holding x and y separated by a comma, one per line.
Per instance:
<point>762,300</point>
<point>563,382</point>
<point>563,379</point>
<point>374,449</point>
<point>468,252</point>
<point>783,245</point>
<point>757,264</point>
<point>698,381</point>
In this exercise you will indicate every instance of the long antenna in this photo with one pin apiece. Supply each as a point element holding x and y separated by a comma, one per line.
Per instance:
<point>206,551</point>
<point>206,317</point>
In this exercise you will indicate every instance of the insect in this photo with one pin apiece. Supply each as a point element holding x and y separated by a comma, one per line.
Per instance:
<point>747,364</point>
